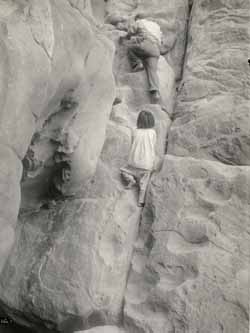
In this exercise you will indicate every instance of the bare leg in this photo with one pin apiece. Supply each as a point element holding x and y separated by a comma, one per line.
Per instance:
<point>143,184</point>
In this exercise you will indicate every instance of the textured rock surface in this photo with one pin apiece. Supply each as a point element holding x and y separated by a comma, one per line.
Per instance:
<point>51,52</point>
<point>69,266</point>
<point>37,71</point>
<point>105,329</point>
<point>65,255</point>
<point>190,269</point>
<point>213,103</point>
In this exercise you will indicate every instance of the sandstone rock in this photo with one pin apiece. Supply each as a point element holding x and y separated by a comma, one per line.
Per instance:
<point>104,329</point>
<point>80,245</point>
<point>10,176</point>
<point>190,264</point>
<point>138,83</point>
<point>71,252</point>
<point>82,5</point>
<point>98,10</point>
<point>213,102</point>
<point>68,268</point>
<point>48,51</point>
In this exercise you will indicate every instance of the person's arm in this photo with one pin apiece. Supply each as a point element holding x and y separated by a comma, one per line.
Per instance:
<point>158,158</point>
<point>155,139</point>
<point>123,26</point>
<point>115,18</point>
<point>132,28</point>
<point>132,135</point>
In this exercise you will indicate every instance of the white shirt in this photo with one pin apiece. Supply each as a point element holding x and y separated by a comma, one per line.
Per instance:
<point>151,28</point>
<point>142,153</point>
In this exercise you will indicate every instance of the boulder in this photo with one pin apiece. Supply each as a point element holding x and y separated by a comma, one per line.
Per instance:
<point>65,257</point>
<point>37,72</point>
<point>72,248</point>
<point>66,252</point>
<point>190,267</point>
<point>77,262</point>
<point>212,110</point>
<point>57,89</point>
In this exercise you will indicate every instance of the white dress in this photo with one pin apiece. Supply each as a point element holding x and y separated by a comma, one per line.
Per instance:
<point>142,153</point>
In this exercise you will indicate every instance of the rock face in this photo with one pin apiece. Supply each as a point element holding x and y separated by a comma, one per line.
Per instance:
<point>68,250</point>
<point>57,94</point>
<point>190,266</point>
<point>37,72</point>
<point>213,100</point>
<point>82,254</point>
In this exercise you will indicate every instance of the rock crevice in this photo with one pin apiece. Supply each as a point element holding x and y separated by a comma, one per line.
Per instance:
<point>197,209</point>
<point>88,256</point>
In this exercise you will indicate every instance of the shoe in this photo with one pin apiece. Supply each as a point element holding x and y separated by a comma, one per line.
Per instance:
<point>138,68</point>
<point>156,95</point>
<point>117,100</point>
<point>141,204</point>
<point>164,50</point>
<point>130,185</point>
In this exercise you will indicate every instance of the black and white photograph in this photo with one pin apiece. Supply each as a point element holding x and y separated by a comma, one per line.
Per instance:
<point>124,166</point>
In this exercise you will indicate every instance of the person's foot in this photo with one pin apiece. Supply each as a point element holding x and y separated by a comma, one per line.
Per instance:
<point>164,49</point>
<point>138,68</point>
<point>155,97</point>
<point>117,100</point>
<point>141,204</point>
<point>130,184</point>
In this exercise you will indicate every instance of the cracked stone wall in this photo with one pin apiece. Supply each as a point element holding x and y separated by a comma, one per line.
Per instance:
<point>190,269</point>
<point>93,258</point>
<point>67,251</point>
<point>56,97</point>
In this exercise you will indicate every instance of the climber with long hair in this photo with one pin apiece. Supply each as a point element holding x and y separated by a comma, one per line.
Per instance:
<point>142,155</point>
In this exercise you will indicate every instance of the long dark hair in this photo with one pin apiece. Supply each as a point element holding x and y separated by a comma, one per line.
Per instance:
<point>145,120</point>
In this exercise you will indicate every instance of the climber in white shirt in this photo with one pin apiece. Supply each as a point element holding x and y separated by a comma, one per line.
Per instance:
<point>141,160</point>
<point>146,29</point>
<point>144,38</point>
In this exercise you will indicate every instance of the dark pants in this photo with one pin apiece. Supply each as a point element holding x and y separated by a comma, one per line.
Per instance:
<point>148,53</point>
